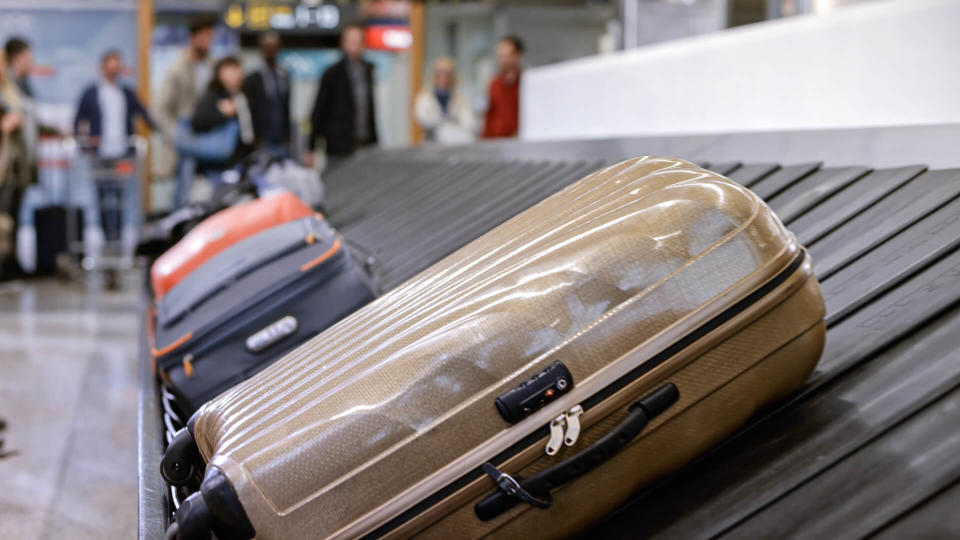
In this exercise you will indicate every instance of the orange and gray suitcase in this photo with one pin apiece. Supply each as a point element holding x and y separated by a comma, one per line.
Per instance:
<point>220,231</point>
<point>526,384</point>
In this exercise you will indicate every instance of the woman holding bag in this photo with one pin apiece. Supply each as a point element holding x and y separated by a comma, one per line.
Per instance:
<point>224,103</point>
<point>220,133</point>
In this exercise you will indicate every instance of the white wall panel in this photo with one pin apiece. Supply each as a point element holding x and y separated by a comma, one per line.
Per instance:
<point>885,63</point>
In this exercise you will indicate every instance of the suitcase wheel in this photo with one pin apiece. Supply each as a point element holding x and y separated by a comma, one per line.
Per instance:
<point>215,509</point>
<point>192,520</point>
<point>181,463</point>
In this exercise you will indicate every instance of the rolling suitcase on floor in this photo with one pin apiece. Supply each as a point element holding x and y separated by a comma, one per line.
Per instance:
<point>250,304</point>
<point>219,231</point>
<point>526,384</point>
<point>55,225</point>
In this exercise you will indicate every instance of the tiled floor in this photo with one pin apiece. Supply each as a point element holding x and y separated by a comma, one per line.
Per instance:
<point>68,396</point>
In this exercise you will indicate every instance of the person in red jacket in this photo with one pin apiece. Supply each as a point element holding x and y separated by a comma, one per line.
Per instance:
<point>503,111</point>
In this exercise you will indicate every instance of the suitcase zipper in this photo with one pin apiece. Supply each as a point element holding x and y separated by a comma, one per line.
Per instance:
<point>573,425</point>
<point>557,427</point>
<point>535,489</point>
<point>564,430</point>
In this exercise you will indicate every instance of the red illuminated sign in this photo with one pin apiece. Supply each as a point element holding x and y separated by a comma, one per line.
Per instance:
<point>391,38</point>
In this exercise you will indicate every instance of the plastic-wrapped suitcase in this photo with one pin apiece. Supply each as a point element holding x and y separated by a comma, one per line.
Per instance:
<point>219,231</point>
<point>527,383</point>
<point>250,304</point>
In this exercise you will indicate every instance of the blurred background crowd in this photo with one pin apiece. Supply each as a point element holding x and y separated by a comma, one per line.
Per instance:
<point>298,80</point>
<point>87,87</point>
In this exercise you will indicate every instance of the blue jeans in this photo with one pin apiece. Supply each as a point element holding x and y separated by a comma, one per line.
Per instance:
<point>186,172</point>
<point>276,150</point>
<point>215,145</point>
<point>86,187</point>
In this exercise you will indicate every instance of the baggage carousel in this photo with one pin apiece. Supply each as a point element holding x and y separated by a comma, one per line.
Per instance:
<point>870,446</point>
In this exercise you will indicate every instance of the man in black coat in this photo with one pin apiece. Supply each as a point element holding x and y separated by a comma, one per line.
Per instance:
<point>343,114</point>
<point>268,94</point>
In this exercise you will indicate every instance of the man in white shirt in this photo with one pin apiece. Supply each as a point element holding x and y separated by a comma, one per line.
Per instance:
<point>105,119</point>
<point>107,110</point>
<point>113,112</point>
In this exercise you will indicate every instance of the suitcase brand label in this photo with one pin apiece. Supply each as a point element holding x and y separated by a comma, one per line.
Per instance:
<point>272,334</point>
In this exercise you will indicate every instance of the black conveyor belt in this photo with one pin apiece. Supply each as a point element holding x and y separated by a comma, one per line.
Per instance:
<point>878,223</point>
<point>884,243</point>
<point>822,218</point>
<point>748,175</point>
<point>784,177</point>
<point>792,202</point>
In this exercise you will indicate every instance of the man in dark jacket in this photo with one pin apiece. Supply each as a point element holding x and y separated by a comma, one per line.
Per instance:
<point>343,114</point>
<point>107,110</point>
<point>105,114</point>
<point>268,94</point>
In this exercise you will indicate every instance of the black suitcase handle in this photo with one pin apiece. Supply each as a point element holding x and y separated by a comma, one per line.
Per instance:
<point>535,490</point>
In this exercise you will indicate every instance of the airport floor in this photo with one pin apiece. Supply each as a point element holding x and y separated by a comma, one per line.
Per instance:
<point>68,395</point>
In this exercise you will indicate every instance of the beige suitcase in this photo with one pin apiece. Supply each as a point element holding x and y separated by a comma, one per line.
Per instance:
<point>526,384</point>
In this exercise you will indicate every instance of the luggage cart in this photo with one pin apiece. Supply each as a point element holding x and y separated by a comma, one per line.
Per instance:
<point>115,183</point>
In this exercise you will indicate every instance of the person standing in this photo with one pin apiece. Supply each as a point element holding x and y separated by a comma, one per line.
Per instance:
<point>19,59</point>
<point>224,102</point>
<point>108,108</point>
<point>105,116</point>
<point>14,169</point>
<point>186,80</point>
<point>268,94</point>
<point>19,62</point>
<point>343,113</point>
<point>441,110</point>
<point>503,110</point>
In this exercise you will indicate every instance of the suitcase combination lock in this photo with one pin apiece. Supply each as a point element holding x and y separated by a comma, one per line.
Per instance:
<point>532,394</point>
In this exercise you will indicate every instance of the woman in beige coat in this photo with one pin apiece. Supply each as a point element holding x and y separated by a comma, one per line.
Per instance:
<point>14,166</point>
<point>441,110</point>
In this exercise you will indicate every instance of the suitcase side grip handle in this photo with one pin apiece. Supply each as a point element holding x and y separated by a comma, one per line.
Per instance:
<point>537,488</point>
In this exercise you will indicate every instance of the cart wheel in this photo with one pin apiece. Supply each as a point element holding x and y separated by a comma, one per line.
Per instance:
<point>112,279</point>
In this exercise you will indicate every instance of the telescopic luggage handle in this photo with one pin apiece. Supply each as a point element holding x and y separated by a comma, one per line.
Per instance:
<point>535,490</point>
